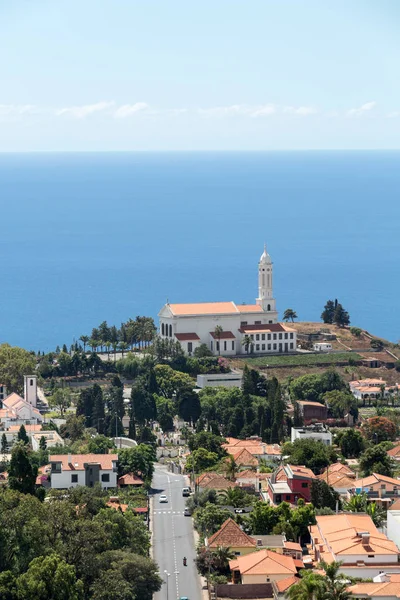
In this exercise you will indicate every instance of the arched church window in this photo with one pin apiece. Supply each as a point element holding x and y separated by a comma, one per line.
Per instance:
<point>162,328</point>
<point>170,331</point>
<point>269,307</point>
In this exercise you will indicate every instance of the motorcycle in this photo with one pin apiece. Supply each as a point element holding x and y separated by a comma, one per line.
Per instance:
<point>184,561</point>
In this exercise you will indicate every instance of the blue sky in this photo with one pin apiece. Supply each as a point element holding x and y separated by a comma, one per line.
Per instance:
<point>209,75</point>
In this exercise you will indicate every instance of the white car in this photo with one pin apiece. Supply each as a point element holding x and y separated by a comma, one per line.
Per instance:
<point>163,498</point>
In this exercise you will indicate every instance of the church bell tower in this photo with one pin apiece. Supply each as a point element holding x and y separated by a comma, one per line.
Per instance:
<point>265,273</point>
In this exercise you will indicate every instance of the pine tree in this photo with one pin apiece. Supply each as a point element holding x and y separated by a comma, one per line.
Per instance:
<point>247,381</point>
<point>22,474</point>
<point>98,414</point>
<point>4,444</point>
<point>298,420</point>
<point>132,427</point>
<point>22,435</point>
<point>328,312</point>
<point>341,317</point>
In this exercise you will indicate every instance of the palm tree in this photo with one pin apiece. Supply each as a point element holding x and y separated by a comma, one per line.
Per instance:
<point>123,346</point>
<point>310,587</point>
<point>108,346</point>
<point>335,582</point>
<point>84,339</point>
<point>247,342</point>
<point>217,333</point>
<point>114,347</point>
<point>289,314</point>
<point>92,344</point>
<point>231,467</point>
<point>220,559</point>
<point>230,496</point>
<point>376,513</point>
<point>357,503</point>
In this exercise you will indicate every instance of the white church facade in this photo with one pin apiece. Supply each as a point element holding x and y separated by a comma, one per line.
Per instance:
<point>228,328</point>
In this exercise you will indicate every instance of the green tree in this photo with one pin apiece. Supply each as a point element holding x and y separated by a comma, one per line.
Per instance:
<point>340,403</point>
<point>22,474</point>
<point>73,428</point>
<point>310,587</point>
<point>124,531</point>
<point>84,339</point>
<point>14,364</point>
<point>289,314</point>
<point>323,495</point>
<point>207,440</point>
<point>49,578</point>
<point>100,444</point>
<point>189,408</point>
<point>328,312</point>
<point>247,342</point>
<point>8,586</point>
<point>218,331</point>
<point>311,453</point>
<point>200,460</point>
<point>22,435</point>
<point>377,345</point>
<point>356,331</point>
<point>4,444</point>
<point>121,574</point>
<point>376,460</point>
<point>210,518</point>
<point>352,443</point>
<point>60,400</point>
<point>139,460</point>
<point>202,351</point>
<point>231,467</point>
<point>340,316</point>
<point>42,443</point>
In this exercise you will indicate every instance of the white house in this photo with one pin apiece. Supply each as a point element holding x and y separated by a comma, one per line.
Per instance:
<point>52,439</point>
<point>322,347</point>
<point>312,432</point>
<point>17,410</point>
<point>71,470</point>
<point>197,323</point>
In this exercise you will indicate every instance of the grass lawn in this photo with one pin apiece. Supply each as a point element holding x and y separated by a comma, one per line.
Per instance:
<point>300,359</point>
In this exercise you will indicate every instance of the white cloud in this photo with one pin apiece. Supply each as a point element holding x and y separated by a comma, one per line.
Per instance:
<point>17,109</point>
<point>81,112</point>
<point>264,111</point>
<point>394,114</point>
<point>362,110</point>
<point>235,110</point>
<point>126,110</point>
<point>302,111</point>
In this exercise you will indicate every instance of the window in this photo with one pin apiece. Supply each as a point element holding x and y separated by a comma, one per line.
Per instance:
<point>383,486</point>
<point>286,336</point>
<point>269,321</point>
<point>269,336</point>
<point>263,347</point>
<point>217,346</point>
<point>274,346</point>
<point>224,345</point>
<point>162,328</point>
<point>252,337</point>
<point>257,336</point>
<point>287,497</point>
<point>190,346</point>
<point>280,336</point>
<point>242,323</point>
<point>269,346</point>
<point>257,322</point>
<point>269,307</point>
<point>291,345</point>
<point>274,336</point>
<point>371,555</point>
<point>31,383</point>
<point>257,346</point>
<point>263,336</point>
<point>304,484</point>
<point>105,477</point>
<point>233,345</point>
<point>211,346</point>
<point>74,478</point>
<point>291,336</point>
<point>236,553</point>
<point>170,331</point>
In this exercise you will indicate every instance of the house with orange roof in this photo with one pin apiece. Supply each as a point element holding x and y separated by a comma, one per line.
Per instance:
<point>340,477</point>
<point>243,458</point>
<point>263,567</point>
<point>379,488</point>
<point>71,470</point>
<point>196,323</point>
<point>213,481</point>
<point>17,411</point>
<point>353,540</point>
<point>255,446</point>
<point>394,453</point>
<point>387,588</point>
<point>281,587</point>
<point>289,483</point>
<point>130,480</point>
<point>230,535</point>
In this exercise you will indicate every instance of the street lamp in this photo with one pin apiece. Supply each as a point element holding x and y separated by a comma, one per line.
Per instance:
<point>168,576</point>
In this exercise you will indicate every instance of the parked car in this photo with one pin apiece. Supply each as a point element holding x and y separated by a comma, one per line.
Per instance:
<point>187,512</point>
<point>185,491</point>
<point>163,498</point>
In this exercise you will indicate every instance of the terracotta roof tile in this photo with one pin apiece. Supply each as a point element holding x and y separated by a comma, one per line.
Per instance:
<point>224,335</point>
<point>76,462</point>
<point>265,563</point>
<point>230,535</point>
<point>130,479</point>
<point>183,337</point>
<point>204,308</point>
<point>285,584</point>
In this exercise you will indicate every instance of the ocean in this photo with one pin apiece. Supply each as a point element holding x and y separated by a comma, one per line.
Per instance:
<point>87,237</point>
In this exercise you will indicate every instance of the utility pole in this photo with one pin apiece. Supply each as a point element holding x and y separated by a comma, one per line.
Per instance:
<point>167,575</point>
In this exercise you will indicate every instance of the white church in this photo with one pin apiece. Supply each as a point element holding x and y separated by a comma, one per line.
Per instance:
<point>225,327</point>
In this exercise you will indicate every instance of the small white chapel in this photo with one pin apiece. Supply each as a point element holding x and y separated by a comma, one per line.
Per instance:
<point>226,328</point>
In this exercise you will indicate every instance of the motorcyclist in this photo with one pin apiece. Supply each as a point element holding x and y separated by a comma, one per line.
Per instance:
<point>184,561</point>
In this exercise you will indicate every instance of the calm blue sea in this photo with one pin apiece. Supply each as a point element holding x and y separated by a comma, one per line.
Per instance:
<point>88,237</point>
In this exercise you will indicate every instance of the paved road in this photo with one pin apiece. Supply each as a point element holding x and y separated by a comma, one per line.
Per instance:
<point>173,539</point>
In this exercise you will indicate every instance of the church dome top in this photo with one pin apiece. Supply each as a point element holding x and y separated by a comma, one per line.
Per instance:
<point>265,257</point>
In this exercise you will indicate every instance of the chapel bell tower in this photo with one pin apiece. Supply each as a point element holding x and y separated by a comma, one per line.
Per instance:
<point>265,294</point>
